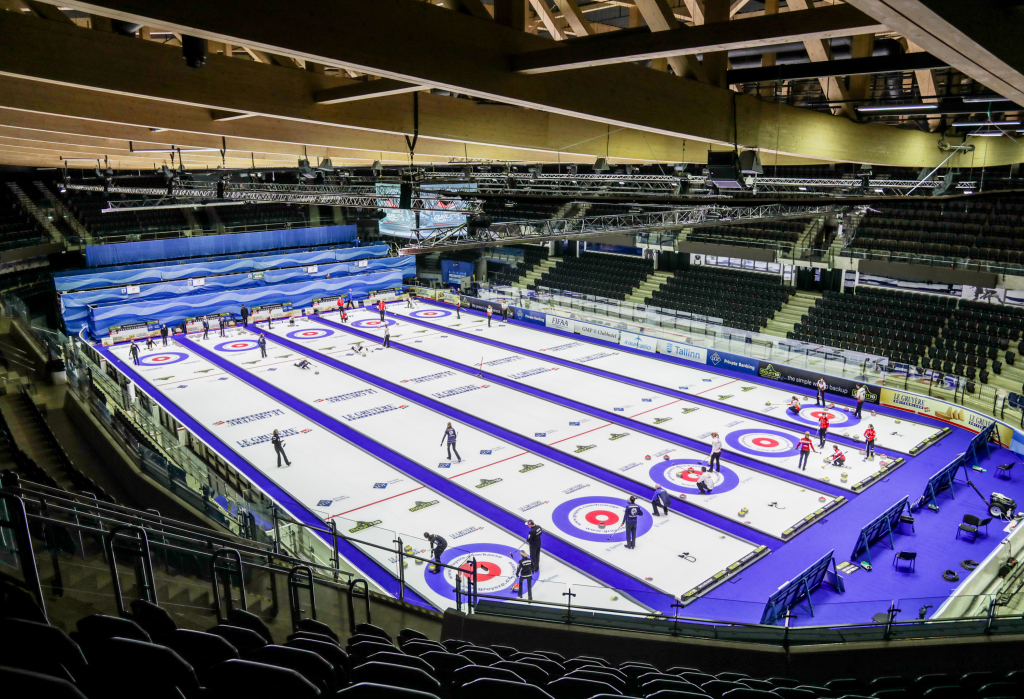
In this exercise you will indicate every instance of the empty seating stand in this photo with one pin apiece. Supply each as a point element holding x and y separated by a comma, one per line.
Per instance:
<point>986,231</point>
<point>598,274</point>
<point>771,234</point>
<point>743,300</point>
<point>17,228</point>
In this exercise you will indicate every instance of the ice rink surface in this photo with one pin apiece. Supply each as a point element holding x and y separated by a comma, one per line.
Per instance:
<point>370,499</point>
<point>773,504</point>
<point>763,442</point>
<point>892,432</point>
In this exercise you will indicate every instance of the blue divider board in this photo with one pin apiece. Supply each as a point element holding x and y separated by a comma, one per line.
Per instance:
<point>801,587</point>
<point>942,480</point>
<point>879,527</point>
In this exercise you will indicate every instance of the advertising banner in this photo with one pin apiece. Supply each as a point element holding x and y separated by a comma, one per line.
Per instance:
<point>528,316</point>
<point>640,342</point>
<point>932,407</point>
<point>558,323</point>
<point>480,304</point>
<point>807,380</point>
<point>683,351</point>
<point>736,362</point>
<point>598,332</point>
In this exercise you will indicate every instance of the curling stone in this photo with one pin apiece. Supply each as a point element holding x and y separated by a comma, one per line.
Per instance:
<point>743,512</point>
<point>821,499</point>
<point>844,476</point>
<point>648,457</point>
<point>767,402</point>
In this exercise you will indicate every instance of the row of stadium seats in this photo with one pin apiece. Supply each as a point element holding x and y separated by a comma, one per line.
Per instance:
<point>771,234</point>
<point>611,276</point>
<point>17,228</point>
<point>992,231</point>
<point>744,300</point>
<point>148,655</point>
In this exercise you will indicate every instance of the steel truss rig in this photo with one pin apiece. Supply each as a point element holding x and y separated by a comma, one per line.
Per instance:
<point>469,235</point>
<point>177,196</point>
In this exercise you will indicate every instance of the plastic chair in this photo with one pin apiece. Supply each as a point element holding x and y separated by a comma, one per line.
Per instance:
<point>366,638</point>
<point>244,640</point>
<point>454,645</point>
<point>199,649</point>
<point>314,626</point>
<point>576,688</point>
<point>552,655</point>
<point>506,652</point>
<point>969,526</point>
<point>846,685</point>
<point>748,693</point>
<point>974,680</point>
<point>369,690</point>
<point>248,620</point>
<point>97,627</point>
<point>410,634</point>
<point>676,685</point>
<point>783,682</point>
<point>305,662</point>
<point>371,630</point>
<point>554,669</point>
<point>122,665</point>
<point>499,689</point>
<point>887,682</point>
<point>24,684</point>
<point>998,689</point>
<point>910,556</point>
<point>593,659</point>
<point>364,649</point>
<point>313,637</point>
<point>153,619</point>
<point>794,693</point>
<point>717,688</point>
<point>925,682</point>
<point>673,694</point>
<point>402,659</point>
<point>1003,471</point>
<point>445,664</point>
<point>465,675</point>
<point>732,676</point>
<point>698,678</point>
<point>758,684</point>
<point>257,681</point>
<point>41,648</point>
<point>333,654</point>
<point>397,676</point>
<point>944,692</point>
<point>418,647</point>
<point>530,673</point>
<point>588,674</point>
<point>479,656</point>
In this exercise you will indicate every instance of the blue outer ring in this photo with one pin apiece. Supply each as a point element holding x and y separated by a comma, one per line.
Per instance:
<point>435,313</point>
<point>438,582</point>
<point>296,334</point>
<point>850,421</point>
<point>365,323</point>
<point>182,356</point>
<point>223,347</point>
<point>562,521</point>
<point>729,478</point>
<point>733,440</point>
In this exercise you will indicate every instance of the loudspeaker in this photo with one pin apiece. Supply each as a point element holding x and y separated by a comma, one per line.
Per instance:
<point>724,169</point>
<point>405,194</point>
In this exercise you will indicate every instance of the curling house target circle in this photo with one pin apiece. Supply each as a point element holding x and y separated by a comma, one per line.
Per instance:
<point>595,518</point>
<point>672,475</point>
<point>763,442</point>
<point>371,323</point>
<point>496,570</point>
<point>163,358</point>
<point>309,334</point>
<point>237,346</point>
<point>431,313</point>
<point>836,417</point>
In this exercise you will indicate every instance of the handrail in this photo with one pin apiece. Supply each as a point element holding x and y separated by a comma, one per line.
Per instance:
<point>294,585</point>
<point>352,587</point>
<point>17,521</point>
<point>147,583</point>
<point>224,575</point>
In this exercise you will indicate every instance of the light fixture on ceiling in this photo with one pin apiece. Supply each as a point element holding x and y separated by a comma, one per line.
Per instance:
<point>896,108</point>
<point>968,124</point>
<point>978,100</point>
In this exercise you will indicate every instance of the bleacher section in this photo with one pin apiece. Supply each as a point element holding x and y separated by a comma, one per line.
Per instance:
<point>743,300</point>
<point>497,210</point>
<point>990,231</point>
<point>611,276</point>
<point>17,229</point>
<point>781,234</point>
<point>261,215</point>
<point>532,255</point>
<point>943,333</point>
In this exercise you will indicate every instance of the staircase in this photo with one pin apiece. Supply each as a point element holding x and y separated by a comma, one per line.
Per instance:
<point>29,437</point>
<point>211,211</point>
<point>63,213</point>
<point>534,274</point>
<point>805,241</point>
<point>37,213</point>
<point>785,319</point>
<point>648,286</point>
<point>197,229</point>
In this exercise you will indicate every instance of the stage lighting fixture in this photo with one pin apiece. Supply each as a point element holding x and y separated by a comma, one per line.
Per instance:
<point>896,108</point>
<point>949,183</point>
<point>601,165</point>
<point>968,124</point>
<point>573,169</point>
<point>978,100</point>
<point>194,51</point>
